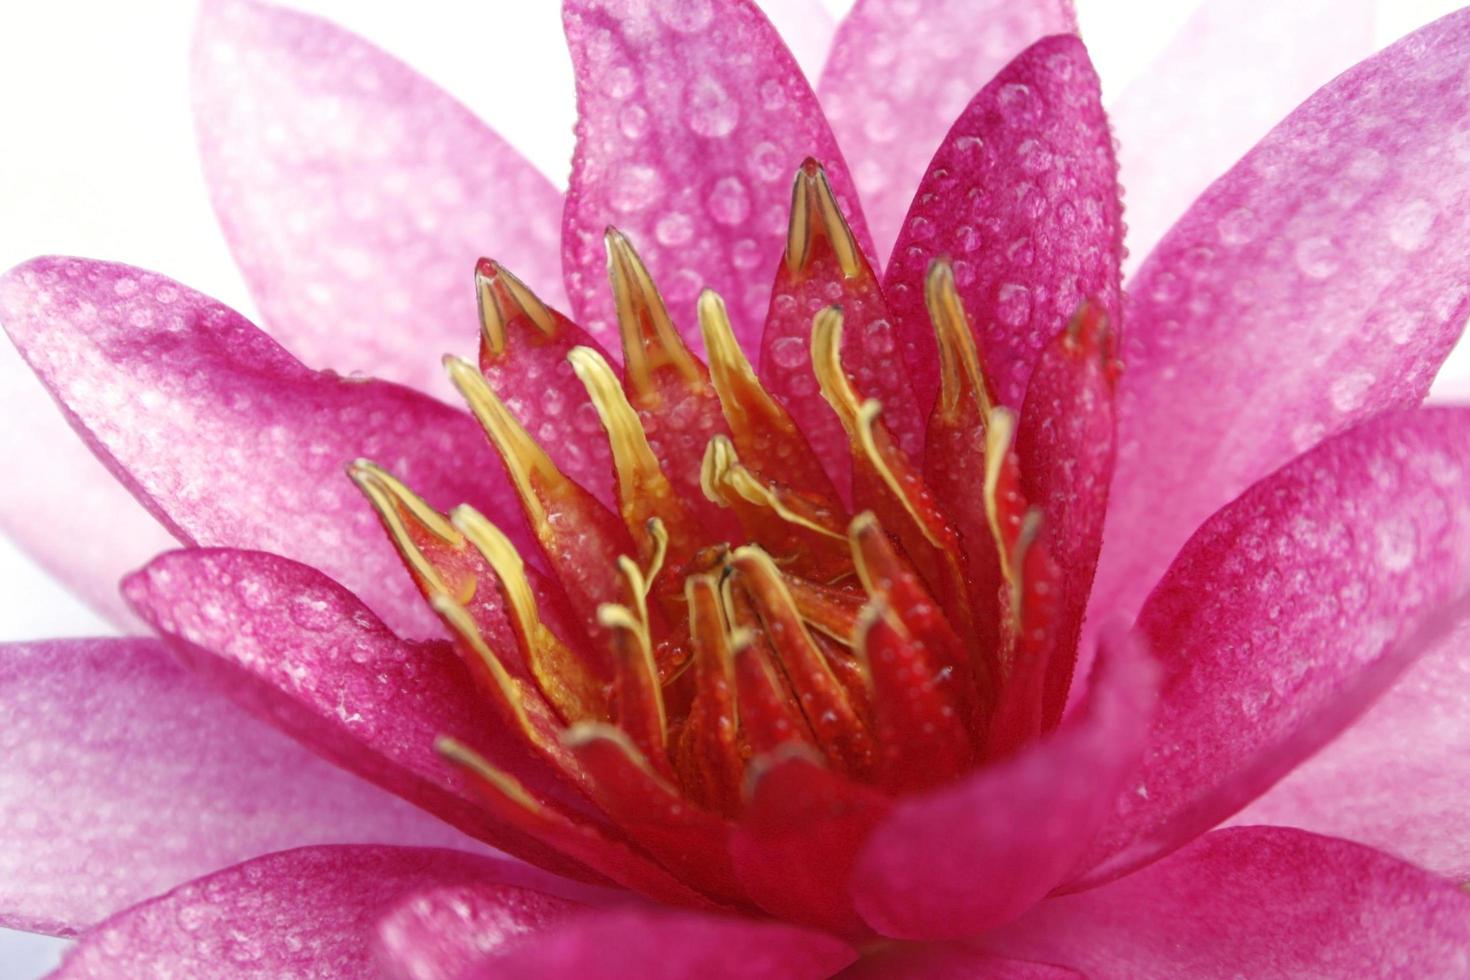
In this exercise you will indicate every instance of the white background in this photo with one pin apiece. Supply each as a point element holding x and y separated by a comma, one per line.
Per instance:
<point>97,159</point>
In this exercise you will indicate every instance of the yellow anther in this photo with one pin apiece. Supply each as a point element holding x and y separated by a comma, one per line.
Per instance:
<point>722,474</point>
<point>814,214</point>
<point>502,298</point>
<point>959,360</point>
<point>650,340</point>
<point>999,433</point>
<point>633,627</point>
<point>827,365</point>
<point>526,461</point>
<point>745,402</point>
<point>504,783</point>
<point>1030,531</point>
<point>390,498</point>
<point>639,474</point>
<point>459,620</point>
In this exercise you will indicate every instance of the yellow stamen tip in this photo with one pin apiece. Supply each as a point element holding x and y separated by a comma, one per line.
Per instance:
<point>637,467</point>
<point>502,298</point>
<point>827,364</point>
<point>650,340</point>
<point>815,214</point>
<point>960,370</point>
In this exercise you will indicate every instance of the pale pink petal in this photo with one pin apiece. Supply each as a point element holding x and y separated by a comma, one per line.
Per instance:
<point>1320,281</point>
<point>693,120</point>
<point>61,505</point>
<point>227,439</point>
<point>300,651</point>
<point>806,26</point>
<point>1234,71</point>
<point>1023,198</point>
<point>356,195</point>
<point>899,73</point>
<point>978,853</point>
<point>659,945</point>
<point>1289,612</point>
<point>126,774</point>
<point>1259,902</point>
<point>1396,779</point>
<point>439,933</point>
<point>948,961</point>
<point>309,912</point>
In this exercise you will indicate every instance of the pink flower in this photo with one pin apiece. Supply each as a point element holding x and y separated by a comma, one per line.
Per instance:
<point>761,673</point>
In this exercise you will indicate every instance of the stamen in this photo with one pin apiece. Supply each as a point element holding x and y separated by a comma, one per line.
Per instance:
<point>960,372</point>
<point>397,505</point>
<point>709,745</point>
<point>562,676</point>
<point>503,298</point>
<point>815,216</point>
<point>1002,487</point>
<point>638,691</point>
<point>762,429</point>
<point>650,340</point>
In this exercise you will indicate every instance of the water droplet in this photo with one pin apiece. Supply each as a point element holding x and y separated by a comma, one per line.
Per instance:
<point>1018,103</point>
<point>634,188</point>
<point>1347,392</point>
<point>1317,257</point>
<point>1409,229</point>
<point>687,16</point>
<point>633,121</point>
<point>674,229</point>
<point>746,254</point>
<point>729,201</point>
<point>768,162</point>
<point>712,112</point>
<point>1013,304</point>
<point>1237,227</point>
<point>789,352</point>
<point>1397,544</point>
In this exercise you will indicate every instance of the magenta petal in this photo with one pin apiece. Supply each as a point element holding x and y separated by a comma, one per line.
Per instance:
<point>1289,612</point>
<point>227,439</point>
<point>310,912</point>
<point>125,774</point>
<point>900,72</point>
<point>806,26</point>
<point>1259,902</point>
<point>950,961</point>
<point>1396,779</point>
<point>693,120</point>
<point>980,852</point>
<point>1022,196</point>
<point>356,195</point>
<point>1320,281</point>
<point>439,933</point>
<point>1232,73</point>
<point>61,505</point>
<point>300,651</point>
<point>660,945</point>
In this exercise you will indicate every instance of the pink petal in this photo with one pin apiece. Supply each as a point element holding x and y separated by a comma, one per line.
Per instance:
<point>439,933</point>
<point>693,121</point>
<point>658,945</point>
<point>1234,71</point>
<point>310,912</point>
<point>1023,197</point>
<point>943,961</point>
<point>126,774</point>
<point>1259,902</point>
<point>1289,612</point>
<point>980,852</point>
<point>1320,281</point>
<point>1396,779</point>
<point>806,26</point>
<point>301,652</point>
<point>227,439</point>
<point>356,195</point>
<point>61,505</point>
<point>899,73</point>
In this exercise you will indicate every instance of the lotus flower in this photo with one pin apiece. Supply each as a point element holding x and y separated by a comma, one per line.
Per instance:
<point>798,615</point>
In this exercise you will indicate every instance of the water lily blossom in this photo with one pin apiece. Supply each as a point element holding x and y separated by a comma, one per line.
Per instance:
<point>769,609</point>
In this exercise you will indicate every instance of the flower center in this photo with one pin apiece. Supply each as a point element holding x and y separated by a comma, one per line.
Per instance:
<point>731,609</point>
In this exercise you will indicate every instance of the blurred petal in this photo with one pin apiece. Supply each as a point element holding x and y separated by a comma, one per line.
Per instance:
<point>899,73</point>
<point>227,439</point>
<point>356,195</point>
<point>659,945</point>
<point>439,933</point>
<point>978,853</point>
<point>1321,281</point>
<point>1396,779</point>
<point>943,961</point>
<point>1023,198</point>
<point>693,120</point>
<point>60,504</point>
<point>126,775</point>
<point>1233,72</point>
<point>298,650</point>
<point>1259,902</point>
<point>1289,612</point>
<point>310,912</point>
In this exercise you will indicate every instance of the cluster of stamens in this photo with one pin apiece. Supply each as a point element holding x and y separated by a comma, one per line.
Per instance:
<point>732,607</point>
